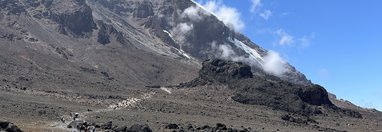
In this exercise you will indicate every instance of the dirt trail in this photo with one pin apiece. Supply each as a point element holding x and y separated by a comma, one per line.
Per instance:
<point>130,102</point>
<point>66,119</point>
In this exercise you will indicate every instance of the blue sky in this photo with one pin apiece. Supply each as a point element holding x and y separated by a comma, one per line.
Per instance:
<point>337,44</point>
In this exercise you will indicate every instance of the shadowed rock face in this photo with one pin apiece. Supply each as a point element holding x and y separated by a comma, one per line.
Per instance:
<point>144,10</point>
<point>268,91</point>
<point>8,127</point>
<point>107,32</point>
<point>11,7</point>
<point>73,17</point>
<point>281,95</point>
<point>77,23</point>
<point>224,71</point>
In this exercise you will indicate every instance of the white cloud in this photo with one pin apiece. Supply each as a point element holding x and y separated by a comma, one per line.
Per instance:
<point>181,30</point>
<point>284,38</point>
<point>192,13</point>
<point>266,14</point>
<point>274,64</point>
<point>230,16</point>
<point>211,6</point>
<point>255,5</point>
<point>226,51</point>
<point>306,40</point>
<point>185,27</point>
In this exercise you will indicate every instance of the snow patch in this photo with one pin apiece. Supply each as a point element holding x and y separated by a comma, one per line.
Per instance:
<point>166,90</point>
<point>200,6</point>
<point>169,34</point>
<point>180,51</point>
<point>253,55</point>
<point>184,54</point>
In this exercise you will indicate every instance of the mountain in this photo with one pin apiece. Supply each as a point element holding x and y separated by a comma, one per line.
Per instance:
<point>106,59</point>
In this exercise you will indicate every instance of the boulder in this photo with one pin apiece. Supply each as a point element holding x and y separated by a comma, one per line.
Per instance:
<point>9,127</point>
<point>76,124</point>
<point>172,126</point>
<point>139,128</point>
<point>221,126</point>
<point>120,129</point>
<point>108,125</point>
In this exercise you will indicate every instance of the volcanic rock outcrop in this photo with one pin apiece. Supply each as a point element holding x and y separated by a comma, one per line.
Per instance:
<point>269,91</point>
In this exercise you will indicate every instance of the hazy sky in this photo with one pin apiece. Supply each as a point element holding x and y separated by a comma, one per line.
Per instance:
<point>335,43</point>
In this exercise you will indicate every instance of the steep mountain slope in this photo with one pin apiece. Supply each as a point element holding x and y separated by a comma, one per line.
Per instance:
<point>106,59</point>
<point>190,30</point>
<point>123,26</point>
<point>62,37</point>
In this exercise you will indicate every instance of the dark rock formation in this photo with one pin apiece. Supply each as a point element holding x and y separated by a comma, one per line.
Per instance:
<point>11,7</point>
<point>259,90</point>
<point>220,127</point>
<point>103,36</point>
<point>120,129</point>
<point>109,126</point>
<point>9,127</point>
<point>139,128</point>
<point>299,120</point>
<point>144,10</point>
<point>79,124</point>
<point>77,22</point>
<point>220,71</point>
<point>107,32</point>
<point>324,129</point>
<point>280,95</point>
<point>315,95</point>
<point>172,126</point>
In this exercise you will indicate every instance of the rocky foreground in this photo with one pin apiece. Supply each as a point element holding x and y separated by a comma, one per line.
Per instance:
<point>8,127</point>
<point>84,126</point>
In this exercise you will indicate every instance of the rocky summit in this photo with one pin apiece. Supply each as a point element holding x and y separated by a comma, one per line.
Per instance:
<point>150,65</point>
